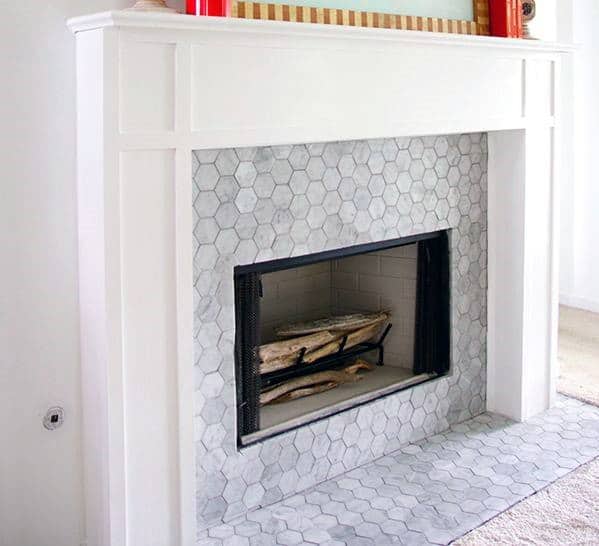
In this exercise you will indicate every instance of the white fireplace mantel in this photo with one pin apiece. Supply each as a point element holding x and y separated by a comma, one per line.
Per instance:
<point>154,87</point>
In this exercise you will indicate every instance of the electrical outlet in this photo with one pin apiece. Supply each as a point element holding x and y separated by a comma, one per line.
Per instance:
<point>54,418</point>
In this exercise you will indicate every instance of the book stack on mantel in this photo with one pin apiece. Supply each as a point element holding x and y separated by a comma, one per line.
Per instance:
<point>506,18</point>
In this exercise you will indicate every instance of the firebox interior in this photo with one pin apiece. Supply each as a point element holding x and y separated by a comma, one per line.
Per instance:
<point>407,278</point>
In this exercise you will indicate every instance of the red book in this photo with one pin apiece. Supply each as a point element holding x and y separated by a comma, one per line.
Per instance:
<point>513,18</point>
<point>515,32</point>
<point>519,20</point>
<point>503,17</point>
<point>216,8</point>
<point>498,18</point>
<point>192,7</point>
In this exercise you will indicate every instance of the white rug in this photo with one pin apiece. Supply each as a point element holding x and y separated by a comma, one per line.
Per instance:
<point>565,513</point>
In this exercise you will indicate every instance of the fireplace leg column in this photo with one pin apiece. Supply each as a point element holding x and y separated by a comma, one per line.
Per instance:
<point>522,329</point>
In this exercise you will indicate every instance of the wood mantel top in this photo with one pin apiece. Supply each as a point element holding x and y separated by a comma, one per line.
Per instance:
<point>176,21</point>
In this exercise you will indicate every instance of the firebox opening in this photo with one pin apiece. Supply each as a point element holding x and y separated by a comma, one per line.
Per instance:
<point>319,334</point>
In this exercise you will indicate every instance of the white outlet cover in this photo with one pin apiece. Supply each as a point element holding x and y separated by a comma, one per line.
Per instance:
<point>54,418</point>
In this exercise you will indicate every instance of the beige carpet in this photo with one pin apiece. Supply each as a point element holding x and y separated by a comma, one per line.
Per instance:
<point>567,512</point>
<point>579,354</point>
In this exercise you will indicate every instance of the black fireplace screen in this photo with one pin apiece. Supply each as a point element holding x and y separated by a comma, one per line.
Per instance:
<point>432,329</point>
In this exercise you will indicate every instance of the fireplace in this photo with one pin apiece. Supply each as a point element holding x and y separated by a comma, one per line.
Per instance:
<point>319,334</point>
<point>149,237</point>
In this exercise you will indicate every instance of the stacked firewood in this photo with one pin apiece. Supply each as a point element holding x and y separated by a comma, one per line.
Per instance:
<point>308,342</point>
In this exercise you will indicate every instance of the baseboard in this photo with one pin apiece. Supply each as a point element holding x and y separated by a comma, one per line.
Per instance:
<point>579,303</point>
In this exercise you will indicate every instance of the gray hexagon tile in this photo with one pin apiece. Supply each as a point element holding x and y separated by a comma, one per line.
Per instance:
<point>429,493</point>
<point>256,204</point>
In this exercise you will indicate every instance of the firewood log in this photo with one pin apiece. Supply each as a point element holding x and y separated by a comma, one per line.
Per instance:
<point>307,385</point>
<point>360,365</point>
<point>280,363</point>
<point>353,338</point>
<point>303,393</point>
<point>343,323</point>
<point>272,354</point>
<point>306,381</point>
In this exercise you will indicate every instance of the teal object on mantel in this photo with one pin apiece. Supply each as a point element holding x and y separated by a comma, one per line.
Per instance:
<point>443,9</point>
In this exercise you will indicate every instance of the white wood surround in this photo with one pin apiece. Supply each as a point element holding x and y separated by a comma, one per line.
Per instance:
<point>154,87</point>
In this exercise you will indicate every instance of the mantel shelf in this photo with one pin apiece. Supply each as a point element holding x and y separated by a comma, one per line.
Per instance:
<point>177,21</point>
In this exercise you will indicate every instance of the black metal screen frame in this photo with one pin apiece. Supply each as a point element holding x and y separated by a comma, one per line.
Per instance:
<point>248,288</point>
<point>432,343</point>
<point>432,340</point>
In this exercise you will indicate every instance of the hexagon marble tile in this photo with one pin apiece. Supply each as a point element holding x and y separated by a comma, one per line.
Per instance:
<point>429,492</point>
<point>257,204</point>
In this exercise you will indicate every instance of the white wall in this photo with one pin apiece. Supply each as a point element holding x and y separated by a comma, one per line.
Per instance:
<point>40,471</point>
<point>543,26</point>
<point>579,285</point>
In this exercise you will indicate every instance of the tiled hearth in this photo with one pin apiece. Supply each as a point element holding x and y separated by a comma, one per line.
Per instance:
<point>430,492</point>
<point>257,204</point>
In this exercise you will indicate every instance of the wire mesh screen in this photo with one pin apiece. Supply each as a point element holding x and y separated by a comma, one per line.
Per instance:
<point>247,303</point>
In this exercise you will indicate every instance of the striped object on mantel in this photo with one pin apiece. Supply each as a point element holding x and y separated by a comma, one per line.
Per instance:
<point>333,16</point>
